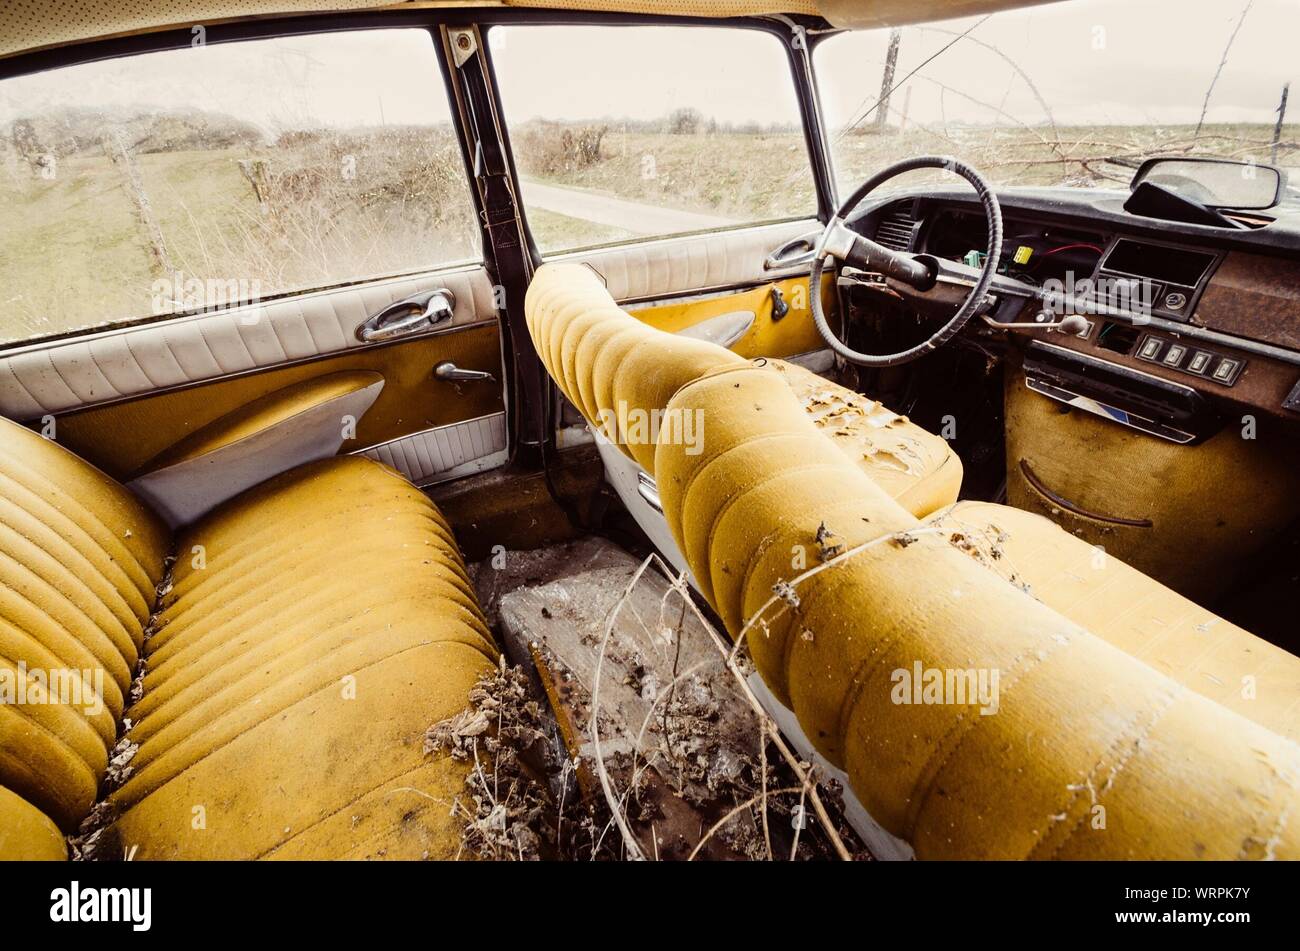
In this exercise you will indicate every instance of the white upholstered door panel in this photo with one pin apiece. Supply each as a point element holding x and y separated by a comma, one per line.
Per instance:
<point>64,375</point>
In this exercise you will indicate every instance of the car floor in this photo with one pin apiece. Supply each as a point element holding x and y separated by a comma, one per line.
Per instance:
<point>651,744</point>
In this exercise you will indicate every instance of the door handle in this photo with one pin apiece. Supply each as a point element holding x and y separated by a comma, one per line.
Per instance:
<point>446,370</point>
<point>411,315</point>
<point>797,252</point>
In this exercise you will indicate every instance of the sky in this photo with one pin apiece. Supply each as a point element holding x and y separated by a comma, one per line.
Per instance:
<point>1093,61</point>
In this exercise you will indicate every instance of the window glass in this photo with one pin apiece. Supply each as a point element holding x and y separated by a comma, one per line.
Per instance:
<point>190,179</point>
<point>623,133</point>
<point>1071,94</point>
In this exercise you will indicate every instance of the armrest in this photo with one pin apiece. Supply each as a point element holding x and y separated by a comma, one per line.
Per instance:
<point>277,432</point>
<point>724,330</point>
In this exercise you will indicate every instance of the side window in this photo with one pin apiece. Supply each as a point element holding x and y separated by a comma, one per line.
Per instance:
<point>623,133</point>
<point>187,180</point>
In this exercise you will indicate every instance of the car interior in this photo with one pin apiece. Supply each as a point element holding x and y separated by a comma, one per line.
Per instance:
<point>360,357</point>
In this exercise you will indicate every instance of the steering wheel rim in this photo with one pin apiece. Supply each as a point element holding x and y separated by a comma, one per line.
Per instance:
<point>968,308</point>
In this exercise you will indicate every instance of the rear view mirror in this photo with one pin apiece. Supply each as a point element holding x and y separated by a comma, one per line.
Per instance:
<point>1215,183</point>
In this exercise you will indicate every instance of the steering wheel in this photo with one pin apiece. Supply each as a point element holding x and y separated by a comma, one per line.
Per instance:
<point>919,271</point>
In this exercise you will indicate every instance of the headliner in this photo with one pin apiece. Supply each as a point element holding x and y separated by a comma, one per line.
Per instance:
<point>43,24</point>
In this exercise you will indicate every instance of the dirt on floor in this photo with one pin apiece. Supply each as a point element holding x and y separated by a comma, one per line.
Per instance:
<point>616,728</point>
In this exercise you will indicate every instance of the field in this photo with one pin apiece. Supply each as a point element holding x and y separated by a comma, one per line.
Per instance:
<point>88,235</point>
<point>76,248</point>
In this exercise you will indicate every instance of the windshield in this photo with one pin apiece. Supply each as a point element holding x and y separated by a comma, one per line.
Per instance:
<point>1068,94</point>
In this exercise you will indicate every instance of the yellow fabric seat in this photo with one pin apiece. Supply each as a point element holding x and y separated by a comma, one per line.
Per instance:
<point>1081,751</point>
<point>612,366</point>
<point>1134,612</point>
<point>293,674</point>
<point>79,561</point>
<point>26,833</point>
<point>916,468</point>
<point>309,632</point>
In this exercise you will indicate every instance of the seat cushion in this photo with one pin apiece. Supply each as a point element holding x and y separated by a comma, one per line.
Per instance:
<point>915,467</point>
<point>1133,611</point>
<point>1081,751</point>
<point>605,361</point>
<point>26,833</point>
<point>80,558</point>
<point>315,627</point>
<point>611,365</point>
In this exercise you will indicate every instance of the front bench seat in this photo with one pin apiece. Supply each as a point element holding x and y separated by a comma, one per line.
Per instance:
<point>308,634</point>
<point>1088,752</point>
<point>609,364</point>
<point>1133,611</point>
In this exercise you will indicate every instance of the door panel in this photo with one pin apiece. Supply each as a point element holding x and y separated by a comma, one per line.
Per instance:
<point>125,395</point>
<point>66,375</point>
<point>673,267</point>
<point>683,281</point>
<point>787,336</point>
<point>193,267</point>
<point>120,437</point>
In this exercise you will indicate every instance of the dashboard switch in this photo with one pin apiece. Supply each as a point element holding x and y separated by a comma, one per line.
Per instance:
<point>1200,362</point>
<point>1150,348</point>
<point>1174,355</point>
<point>1226,371</point>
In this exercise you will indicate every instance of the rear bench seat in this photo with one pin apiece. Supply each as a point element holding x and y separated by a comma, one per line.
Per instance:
<point>309,632</point>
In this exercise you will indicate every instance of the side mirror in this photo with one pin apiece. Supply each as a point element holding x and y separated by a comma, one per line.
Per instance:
<point>1215,183</point>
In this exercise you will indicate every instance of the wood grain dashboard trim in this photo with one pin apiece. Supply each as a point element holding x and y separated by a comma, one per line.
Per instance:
<point>1255,297</point>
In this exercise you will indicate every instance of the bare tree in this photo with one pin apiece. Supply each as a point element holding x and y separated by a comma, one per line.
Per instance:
<point>120,156</point>
<point>1222,63</point>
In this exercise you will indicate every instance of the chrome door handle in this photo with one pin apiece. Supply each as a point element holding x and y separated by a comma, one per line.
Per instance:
<point>646,488</point>
<point>796,252</point>
<point>411,315</point>
<point>446,370</point>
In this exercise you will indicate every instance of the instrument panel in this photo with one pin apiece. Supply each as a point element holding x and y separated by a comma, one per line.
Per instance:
<point>1224,324</point>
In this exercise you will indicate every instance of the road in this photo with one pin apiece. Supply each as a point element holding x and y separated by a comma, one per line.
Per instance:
<point>613,212</point>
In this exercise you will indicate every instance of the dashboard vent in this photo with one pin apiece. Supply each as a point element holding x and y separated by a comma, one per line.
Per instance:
<point>897,227</point>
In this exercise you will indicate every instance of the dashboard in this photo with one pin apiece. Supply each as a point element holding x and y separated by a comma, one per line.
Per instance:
<point>1209,318</point>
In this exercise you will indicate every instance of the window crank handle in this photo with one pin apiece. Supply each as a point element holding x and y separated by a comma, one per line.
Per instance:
<point>446,370</point>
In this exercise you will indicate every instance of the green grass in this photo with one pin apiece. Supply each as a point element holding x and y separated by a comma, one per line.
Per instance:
<point>733,175</point>
<point>75,255</point>
<point>554,230</point>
